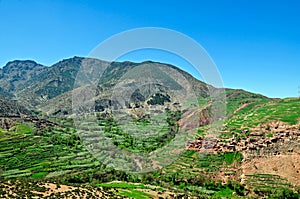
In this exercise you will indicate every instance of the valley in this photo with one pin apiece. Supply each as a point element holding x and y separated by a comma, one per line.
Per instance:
<point>51,147</point>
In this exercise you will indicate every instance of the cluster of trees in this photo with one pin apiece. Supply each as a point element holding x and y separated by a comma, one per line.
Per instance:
<point>69,140</point>
<point>125,141</point>
<point>277,193</point>
<point>159,99</point>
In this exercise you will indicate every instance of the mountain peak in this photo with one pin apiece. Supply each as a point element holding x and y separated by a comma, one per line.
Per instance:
<point>17,62</point>
<point>20,65</point>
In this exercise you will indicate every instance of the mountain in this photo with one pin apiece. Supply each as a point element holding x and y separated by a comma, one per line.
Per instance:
<point>50,88</point>
<point>33,84</point>
<point>15,74</point>
<point>140,108</point>
<point>11,108</point>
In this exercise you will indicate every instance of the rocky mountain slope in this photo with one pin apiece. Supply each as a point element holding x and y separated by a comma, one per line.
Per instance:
<point>36,86</point>
<point>11,108</point>
<point>255,154</point>
<point>33,84</point>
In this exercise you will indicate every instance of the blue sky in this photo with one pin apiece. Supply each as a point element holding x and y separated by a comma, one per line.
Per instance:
<point>255,44</point>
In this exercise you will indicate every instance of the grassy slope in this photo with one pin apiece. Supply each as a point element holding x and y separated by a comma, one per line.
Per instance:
<point>56,155</point>
<point>260,112</point>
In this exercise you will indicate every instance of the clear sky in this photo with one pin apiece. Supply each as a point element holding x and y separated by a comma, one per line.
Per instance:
<point>254,43</point>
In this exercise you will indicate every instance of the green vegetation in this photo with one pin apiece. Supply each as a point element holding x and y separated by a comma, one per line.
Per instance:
<point>231,157</point>
<point>261,112</point>
<point>56,154</point>
<point>159,99</point>
<point>39,175</point>
<point>123,185</point>
<point>144,144</point>
<point>128,189</point>
<point>22,129</point>
<point>270,135</point>
<point>238,98</point>
<point>135,194</point>
<point>32,154</point>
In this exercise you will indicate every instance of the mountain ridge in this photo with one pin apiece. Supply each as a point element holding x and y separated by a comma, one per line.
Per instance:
<point>252,155</point>
<point>57,64</point>
<point>35,85</point>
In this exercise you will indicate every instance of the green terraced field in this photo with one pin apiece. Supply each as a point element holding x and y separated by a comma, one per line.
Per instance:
<point>57,155</point>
